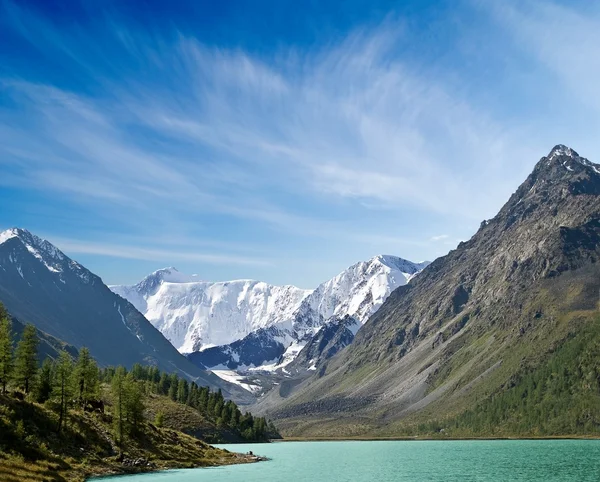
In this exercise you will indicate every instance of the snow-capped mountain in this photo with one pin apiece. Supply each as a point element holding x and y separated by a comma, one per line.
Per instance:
<point>195,315</point>
<point>358,291</point>
<point>250,323</point>
<point>39,284</point>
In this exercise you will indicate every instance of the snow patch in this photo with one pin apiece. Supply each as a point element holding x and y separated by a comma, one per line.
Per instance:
<point>8,234</point>
<point>233,377</point>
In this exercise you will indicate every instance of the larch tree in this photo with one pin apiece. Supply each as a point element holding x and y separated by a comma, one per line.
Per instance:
<point>26,364</point>
<point>6,349</point>
<point>119,397</point>
<point>45,383</point>
<point>62,386</point>
<point>134,403</point>
<point>85,377</point>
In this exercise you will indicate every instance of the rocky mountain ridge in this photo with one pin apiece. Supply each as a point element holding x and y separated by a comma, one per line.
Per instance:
<point>472,320</point>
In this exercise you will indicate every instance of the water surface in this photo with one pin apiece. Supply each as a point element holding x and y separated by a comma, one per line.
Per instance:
<point>392,461</point>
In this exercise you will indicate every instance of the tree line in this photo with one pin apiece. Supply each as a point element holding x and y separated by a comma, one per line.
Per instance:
<point>65,383</point>
<point>225,414</point>
<point>560,396</point>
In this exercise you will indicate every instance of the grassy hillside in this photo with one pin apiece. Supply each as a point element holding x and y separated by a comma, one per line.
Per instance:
<point>561,395</point>
<point>32,450</point>
<point>186,419</point>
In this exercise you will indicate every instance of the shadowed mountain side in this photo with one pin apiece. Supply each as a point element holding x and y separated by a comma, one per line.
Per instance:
<point>42,286</point>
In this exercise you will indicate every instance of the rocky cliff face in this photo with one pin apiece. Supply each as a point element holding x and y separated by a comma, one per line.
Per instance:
<point>471,319</point>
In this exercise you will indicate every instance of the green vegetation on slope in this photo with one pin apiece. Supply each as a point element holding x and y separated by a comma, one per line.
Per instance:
<point>31,448</point>
<point>231,423</point>
<point>559,396</point>
<point>62,422</point>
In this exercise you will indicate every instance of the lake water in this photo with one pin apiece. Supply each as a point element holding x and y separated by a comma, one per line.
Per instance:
<point>383,461</point>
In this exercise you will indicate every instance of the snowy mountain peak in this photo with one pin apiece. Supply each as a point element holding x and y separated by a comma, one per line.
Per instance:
<point>562,158</point>
<point>33,242</point>
<point>44,251</point>
<point>25,237</point>
<point>9,234</point>
<point>562,150</point>
<point>195,315</point>
<point>401,264</point>
<point>170,275</point>
<point>52,258</point>
<point>198,315</point>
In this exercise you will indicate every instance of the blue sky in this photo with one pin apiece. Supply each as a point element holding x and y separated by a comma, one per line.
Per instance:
<point>281,140</point>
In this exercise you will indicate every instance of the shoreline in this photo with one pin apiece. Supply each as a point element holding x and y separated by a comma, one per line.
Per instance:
<point>238,459</point>
<point>440,439</point>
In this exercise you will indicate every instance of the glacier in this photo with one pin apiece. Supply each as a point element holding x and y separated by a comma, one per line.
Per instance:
<point>197,316</point>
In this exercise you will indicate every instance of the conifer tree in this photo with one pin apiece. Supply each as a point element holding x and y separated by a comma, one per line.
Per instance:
<point>6,349</point>
<point>163,384</point>
<point>62,387</point>
<point>182,390</point>
<point>203,400</point>
<point>134,403</point>
<point>26,366</point>
<point>119,400</point>
<point>85,377</point>
<point>44,387</point>
<point>173,386</point>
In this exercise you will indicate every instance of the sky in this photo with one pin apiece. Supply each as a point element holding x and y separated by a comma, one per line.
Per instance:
<point>282,140</point>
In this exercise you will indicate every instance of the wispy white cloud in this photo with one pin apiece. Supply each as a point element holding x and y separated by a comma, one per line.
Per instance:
<point>335,142</point>
<point>74,246</point>
<point>563,37</point>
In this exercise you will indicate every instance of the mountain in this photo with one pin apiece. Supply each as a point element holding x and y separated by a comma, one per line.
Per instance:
<point>41,285</point>
<point>195,315</point>
<point>244,323</point>
<point>473,325</point>
<point>48,347</point>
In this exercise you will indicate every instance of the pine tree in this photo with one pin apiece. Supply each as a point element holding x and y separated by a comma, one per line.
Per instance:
<point>225,415</point>
<point>134,403</point>
<point>119,400</point>
<point>26,366</point>
<point>182,390</point>
<point>62,387</point>
<point>6,349</point>
<point>210,405</point>
<point>85,377</point>
<point>192,395</point>
<point>173,385</point>
<point>44,387</point>
<point>163,384</point>
<point>138,371</point>
<point>203,400</point>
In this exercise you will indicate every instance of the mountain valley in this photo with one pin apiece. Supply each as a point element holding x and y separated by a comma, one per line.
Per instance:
<point>253,333</point>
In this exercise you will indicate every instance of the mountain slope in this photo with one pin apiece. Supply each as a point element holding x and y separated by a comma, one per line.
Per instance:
<point>250,323</point>
<point>41,285</point>
<point>48,347</point>
<point>472,320</point>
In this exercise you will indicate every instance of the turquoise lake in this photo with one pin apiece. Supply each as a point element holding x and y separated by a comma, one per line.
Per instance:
<point>383,461</point>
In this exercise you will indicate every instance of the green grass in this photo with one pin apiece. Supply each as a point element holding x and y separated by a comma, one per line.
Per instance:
<point>187,420</point>
<point>31,450</point>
